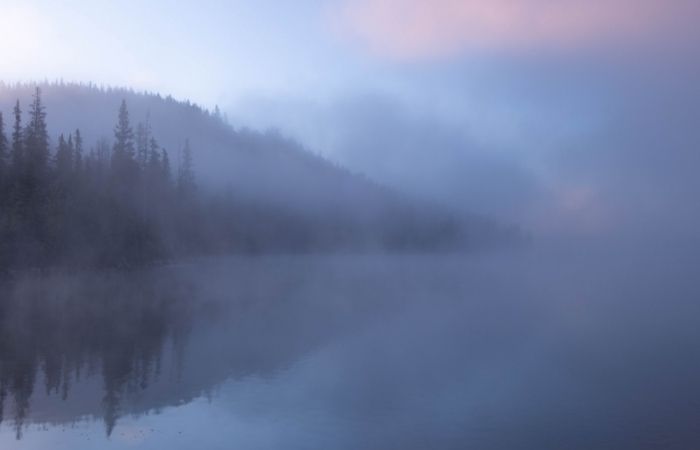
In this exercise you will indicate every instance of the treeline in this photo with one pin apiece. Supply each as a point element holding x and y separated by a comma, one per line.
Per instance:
<point>116,204</point>
<point>123,202</point>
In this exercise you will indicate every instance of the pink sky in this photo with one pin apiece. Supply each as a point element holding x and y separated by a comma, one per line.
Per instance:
<point>417,29</point>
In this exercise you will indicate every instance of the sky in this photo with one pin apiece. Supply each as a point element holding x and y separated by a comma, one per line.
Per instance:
<point>561,115</point>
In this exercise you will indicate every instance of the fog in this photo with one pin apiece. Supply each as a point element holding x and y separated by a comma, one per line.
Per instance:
<point>361,351</point>
<point>371,224</point>
<point>559,143</point>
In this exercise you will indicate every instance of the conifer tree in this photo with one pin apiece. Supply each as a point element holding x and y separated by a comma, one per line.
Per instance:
<point>166,172</point>
<point>36,139</point>
<point>143,137</point>
<point>123,135</point>
<point>64,159</point>
<point>124,168</point>
<point>78,154</point>
<point>3,152</point>
<point>17,142</point>
<point>185,179</point>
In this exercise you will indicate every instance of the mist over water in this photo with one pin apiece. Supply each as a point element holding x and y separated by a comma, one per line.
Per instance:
<point>350,224</point>
<point>576,346</point>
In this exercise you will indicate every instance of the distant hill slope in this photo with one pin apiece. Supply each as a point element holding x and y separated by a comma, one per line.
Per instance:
<point>279,187</point>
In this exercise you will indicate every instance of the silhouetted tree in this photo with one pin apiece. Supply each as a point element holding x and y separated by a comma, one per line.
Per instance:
<point>36,140</point>
<point>143,138</point>
<point>166,172</point>
<point>120,205</point>
<point>4,150</point>
<point>17,142</point>
<point>185,179</point>
<point>124,167</point>
<point>154,167</point>
<point>78,155</point>
<point>64,158</point>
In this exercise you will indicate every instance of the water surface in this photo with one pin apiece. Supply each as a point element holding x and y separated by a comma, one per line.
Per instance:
<point>535,349</point>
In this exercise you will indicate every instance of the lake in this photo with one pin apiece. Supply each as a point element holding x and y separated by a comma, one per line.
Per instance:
<point>559,347</point>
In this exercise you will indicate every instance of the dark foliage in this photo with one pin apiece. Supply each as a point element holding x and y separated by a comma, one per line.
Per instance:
<point>119,203</point>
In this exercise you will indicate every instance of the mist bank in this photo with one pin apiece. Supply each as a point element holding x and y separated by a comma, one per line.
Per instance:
<point>550,333</point>
<point>118,195</point>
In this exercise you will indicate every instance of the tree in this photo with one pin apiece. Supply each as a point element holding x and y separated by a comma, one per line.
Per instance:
<point>166,172</point>
<point>153,167</point>
<point>185,180</point>
<point>64,158</point>
<point>36,139</point>
<point>143,137</point>
<point>17,142</point>
<point>124,168</point>
<point>78,155</point>
<point>154,164</point>
<point>3,151</point>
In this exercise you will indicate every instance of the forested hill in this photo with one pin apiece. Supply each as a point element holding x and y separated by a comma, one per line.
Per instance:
<point>111,177</point>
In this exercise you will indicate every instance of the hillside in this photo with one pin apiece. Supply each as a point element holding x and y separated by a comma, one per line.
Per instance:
<point>256,191</point>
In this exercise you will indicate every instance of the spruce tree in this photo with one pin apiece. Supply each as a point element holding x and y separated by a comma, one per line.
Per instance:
<point>3,152</point>
<point>153,169</point>
<point>185,180</point>
<point>124,168</point>
<point>166,172</point>
<point>17,142</point>
<point>36,139</point>
<point>123,134</point>
<point>64,159</point>
<point>143,137</point>
<point>78,154</point>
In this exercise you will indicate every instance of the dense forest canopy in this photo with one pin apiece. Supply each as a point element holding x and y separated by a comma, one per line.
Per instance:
<point>124,200</point>
<point>105,205</point>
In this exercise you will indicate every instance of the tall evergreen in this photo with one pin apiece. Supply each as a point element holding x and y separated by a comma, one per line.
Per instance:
<point>154,162</point>
<point>36,139</point>
<point>3,152</point>
<point>124,168</point>
<point>17,142</point>
<point>185,180</point>
<point>123,135</point>
<point>64,158</point>
<point>166,172</point>
<point>78,154</point>
<point>143,138</point>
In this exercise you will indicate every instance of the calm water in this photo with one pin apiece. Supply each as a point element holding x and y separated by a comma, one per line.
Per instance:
<point>563,349</point>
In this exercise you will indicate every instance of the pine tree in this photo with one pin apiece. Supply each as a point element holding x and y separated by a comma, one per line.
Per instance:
<point>78,155</point>
<point>64,159</point>
<point>185,180</point>
<point>153,169</point>
<point>71,152</point>
<point>103,156</point>
<point>166,172</point>
<point>17,142</point>
<point>3,151</point>
<point>143,137</point>
<point>36,139</point>
<point>124,167</point>
<point>123,135</point>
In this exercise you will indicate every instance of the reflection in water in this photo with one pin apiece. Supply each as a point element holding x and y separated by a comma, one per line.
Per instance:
<point>64,328</point>
<point>244,317</point>
<point>517,351</point>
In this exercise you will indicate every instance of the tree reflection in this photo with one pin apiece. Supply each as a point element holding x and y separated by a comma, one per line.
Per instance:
<point>57,328</point>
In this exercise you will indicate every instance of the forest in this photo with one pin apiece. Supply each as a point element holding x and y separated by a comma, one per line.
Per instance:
<point>108,205</point>
<point>122,202</point>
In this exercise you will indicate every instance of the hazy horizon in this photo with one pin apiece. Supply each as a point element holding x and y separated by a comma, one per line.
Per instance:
<point>550,116</point>
<point>409,224</point>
